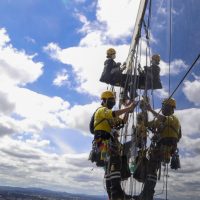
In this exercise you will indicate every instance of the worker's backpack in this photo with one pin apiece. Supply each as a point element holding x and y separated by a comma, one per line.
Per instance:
<point>91,124</point>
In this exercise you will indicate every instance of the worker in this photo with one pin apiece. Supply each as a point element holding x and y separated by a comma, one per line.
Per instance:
<point>141,131</point>
<point>167,133</point>
<point>102,136</point>
<point>150,76</point>
<point>113,75</point>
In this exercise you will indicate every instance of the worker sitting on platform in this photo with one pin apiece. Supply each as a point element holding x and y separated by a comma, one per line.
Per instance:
<point>113,75</point>
<point>150,76</point>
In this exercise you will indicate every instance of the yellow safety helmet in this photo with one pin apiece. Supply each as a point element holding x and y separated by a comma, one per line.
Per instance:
<point>156,57</point>
<point>107,95</point>
<point>110,51</point>
<point>171,102</point>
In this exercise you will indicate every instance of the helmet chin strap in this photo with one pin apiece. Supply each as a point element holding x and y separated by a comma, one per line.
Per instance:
<point>109,104</point>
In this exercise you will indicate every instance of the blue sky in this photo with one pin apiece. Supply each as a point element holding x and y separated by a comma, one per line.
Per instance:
<point>51,58</point>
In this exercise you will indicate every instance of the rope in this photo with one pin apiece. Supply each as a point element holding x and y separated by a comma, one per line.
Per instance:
<point>170,41</point>
<point>167,179</point>
<point>181,81</point>
<point>193,64</point>
<point>170,55</point>
<point>163,182</point>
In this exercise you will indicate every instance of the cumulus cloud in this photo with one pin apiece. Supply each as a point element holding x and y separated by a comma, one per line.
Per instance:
<point>109,26</point>
<point>191,89</point>
<point>35,111</point>
<point>24,164</point>
<point>6,105</point>
<point>176,67</point>
<point>118,24</point>
<point>4,38</point>
<point>162,93</point>
<point>17,68</point>
<point>188,118</point>
<point>78,116</point>
<point>41,168</point>
<point>23,110</point>
<point>61,78</point>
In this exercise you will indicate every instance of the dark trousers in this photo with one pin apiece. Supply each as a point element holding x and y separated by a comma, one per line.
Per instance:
<point>157,156</point>
<point>113,178</point>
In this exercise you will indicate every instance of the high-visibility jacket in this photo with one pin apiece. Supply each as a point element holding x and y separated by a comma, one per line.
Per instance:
<point>169,128</point>
<point>109,122</point>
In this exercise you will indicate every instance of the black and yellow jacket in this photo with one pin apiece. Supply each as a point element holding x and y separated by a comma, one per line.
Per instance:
<point>169,128</point>
<point>109,122</point>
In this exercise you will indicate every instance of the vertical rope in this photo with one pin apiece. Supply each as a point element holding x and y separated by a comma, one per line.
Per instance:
<point>170,52</point>
<point>166,182</point>
<point>170,42</point>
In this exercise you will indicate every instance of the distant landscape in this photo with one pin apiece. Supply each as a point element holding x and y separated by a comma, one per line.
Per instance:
<point>16,193</point>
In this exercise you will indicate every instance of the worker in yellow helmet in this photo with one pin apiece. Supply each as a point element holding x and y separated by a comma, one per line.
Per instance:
<point>113,74</point>
<point>105,120</point>
<point>167,133</point>
<point>151,75</point>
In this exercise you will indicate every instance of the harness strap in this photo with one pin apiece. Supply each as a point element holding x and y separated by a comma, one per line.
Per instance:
<point>170,126</point>
<point>99,122</point>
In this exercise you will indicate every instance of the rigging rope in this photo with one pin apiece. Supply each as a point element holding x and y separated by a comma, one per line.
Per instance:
<point>167,181</point>
<point>193,64</point>
<point>169,77</point>
<point>181,81</point>
<point>170,43</point>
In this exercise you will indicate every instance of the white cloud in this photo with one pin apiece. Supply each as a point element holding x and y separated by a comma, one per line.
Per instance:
<point>32,111</point>
<point>35,111</point>
<point>84,21</point>
<point>109,26</point>
<point>162,93</point>
<point>117,17</point>
<point>78,116</point>
<point>191,89</point>
<point>176,67</point>
<point>92,39</point>
<point>189,122</point>
<point>25,158</point>
<point>29,39</point>
<point>25,111</point>
<point>4,38</point>
<point>24,163</point>
<point>53,50</point>
<point>17,68</point>
<point>61,78</point>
